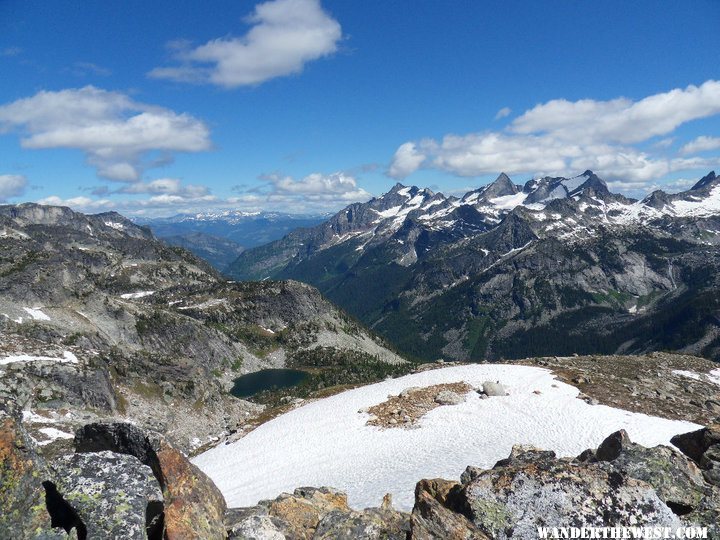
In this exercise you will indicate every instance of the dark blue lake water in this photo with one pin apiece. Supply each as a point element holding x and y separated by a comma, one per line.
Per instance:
<point>267,379</point>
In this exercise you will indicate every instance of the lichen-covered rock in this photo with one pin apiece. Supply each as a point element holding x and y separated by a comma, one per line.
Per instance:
<point>305,508</point>
<point>432,517</point>
<point>677,481</point>
<point>371,524</point>
<point>510,501</point>
<point>257,527</point>
<point>194,507</point>
<point>23,513</point>
<point>316,514</point>
<point>114,494</point>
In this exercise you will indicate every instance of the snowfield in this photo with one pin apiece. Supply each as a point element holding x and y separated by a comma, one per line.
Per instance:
<point>326,442</point>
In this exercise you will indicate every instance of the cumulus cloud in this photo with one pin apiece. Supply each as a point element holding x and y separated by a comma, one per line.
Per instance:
<point>116,133</point>
<point>314,189</point>
<point>285,35</point>
<point>407,159</point>
<point>562,137</point>
<point>502,113</point>
<point>701,144</point>
<point>11,185</point>
<point>621,120</point>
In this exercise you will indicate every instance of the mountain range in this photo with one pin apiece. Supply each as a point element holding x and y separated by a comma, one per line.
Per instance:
<point>555,266</point>
<point>220,236</point>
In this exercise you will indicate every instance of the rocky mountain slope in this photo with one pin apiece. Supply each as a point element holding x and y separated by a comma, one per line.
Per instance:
<point>554,266</point>
<point>100,317</point>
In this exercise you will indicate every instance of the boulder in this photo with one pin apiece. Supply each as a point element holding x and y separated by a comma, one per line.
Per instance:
<point>695,443</point>
<point>305,508</point>
<point>448,397</point>
<point>490,388</point>
<point>194,507</point>
<point>611,447</point>
<point>114,495</point>
<point>256,527</point>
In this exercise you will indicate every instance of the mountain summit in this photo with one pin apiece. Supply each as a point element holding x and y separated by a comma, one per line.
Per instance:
<point>559,265</point>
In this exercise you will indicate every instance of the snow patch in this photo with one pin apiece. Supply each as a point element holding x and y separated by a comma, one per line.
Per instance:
<point>37,314</point>
<point>53,434</point>
<point>115,225</point>
<point>34,418</point>
<point>139,294</point>
<point>688,374</point>
<point>67,358</point>
<point>508,202</point>
<point>327,442</point>
<point>714,376</point>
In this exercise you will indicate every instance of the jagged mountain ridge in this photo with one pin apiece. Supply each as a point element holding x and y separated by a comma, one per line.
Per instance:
<point>557,265</point>
<point>102,315</point>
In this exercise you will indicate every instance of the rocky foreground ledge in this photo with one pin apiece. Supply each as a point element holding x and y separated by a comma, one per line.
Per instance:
<point>122,482</point>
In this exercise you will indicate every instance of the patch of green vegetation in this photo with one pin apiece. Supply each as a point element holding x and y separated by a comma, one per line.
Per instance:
<point>612,297</point>
<point>147,390</point>
<point>477,339</point>
<point>237,364</point>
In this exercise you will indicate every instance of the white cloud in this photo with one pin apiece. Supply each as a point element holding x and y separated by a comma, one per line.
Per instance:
<point>562,137</point>
<point>621,120</point>
<point>78,203</point>
<point>115,133</point>
<point>502,113</point>
<point>286,34</point>
<point>315,188</point>
<point>166,187</point>
<point>313,193</point>
<point>701,144</point>
<point>11,185</point>
<point>407,160</point>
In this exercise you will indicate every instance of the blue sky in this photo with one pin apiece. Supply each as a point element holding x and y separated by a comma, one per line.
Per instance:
<point>159,107</point>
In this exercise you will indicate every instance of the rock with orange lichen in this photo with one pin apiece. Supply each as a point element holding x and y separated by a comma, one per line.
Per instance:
<point>23,513</point>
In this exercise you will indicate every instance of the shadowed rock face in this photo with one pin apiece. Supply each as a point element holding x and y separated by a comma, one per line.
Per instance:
<point>703,447</point>
<point>194,507</point>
